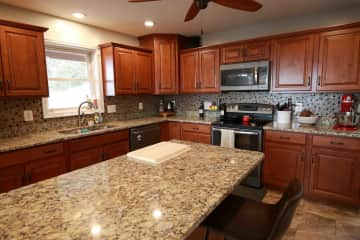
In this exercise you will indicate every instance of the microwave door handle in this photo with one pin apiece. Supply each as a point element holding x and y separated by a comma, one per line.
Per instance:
<point>246,133</point>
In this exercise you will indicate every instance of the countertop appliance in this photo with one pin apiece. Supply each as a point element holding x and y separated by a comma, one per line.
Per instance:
<point>234,132</point>
<point>347,119</point>
<point>249,76</point>
<point>143,136</point>
<point>347,103</point>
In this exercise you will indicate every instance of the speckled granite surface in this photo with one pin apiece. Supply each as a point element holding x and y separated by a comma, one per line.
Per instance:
<point>296,127</point>
<point>123,199</point>
<point>31,140</point>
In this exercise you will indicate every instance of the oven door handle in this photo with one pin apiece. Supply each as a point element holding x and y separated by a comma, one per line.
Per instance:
<point>246,133</point>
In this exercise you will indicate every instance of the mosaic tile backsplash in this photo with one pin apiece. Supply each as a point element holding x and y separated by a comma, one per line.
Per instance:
<point>322,104</point>
<point>12,114</point>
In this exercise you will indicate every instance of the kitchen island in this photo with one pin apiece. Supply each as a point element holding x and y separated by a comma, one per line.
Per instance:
<point>124,199</point>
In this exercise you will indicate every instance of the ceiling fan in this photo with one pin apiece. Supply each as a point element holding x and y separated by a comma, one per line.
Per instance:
<point>197,5</point>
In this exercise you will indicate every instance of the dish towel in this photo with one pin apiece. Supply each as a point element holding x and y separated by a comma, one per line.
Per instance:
<point>227,138</point>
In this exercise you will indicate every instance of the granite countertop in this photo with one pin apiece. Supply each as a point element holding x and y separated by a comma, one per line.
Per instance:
<point>124,199</point>
<point>301,128</point>
<point>32,140</point>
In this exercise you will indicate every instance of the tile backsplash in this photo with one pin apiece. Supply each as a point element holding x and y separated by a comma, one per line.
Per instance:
<point>322,104</point>
<point>12,114</point>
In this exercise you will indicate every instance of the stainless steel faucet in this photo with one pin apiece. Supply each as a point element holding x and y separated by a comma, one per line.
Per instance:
<point>79,109</point>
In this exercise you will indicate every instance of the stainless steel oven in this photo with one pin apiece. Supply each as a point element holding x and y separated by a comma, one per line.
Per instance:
<point>249,76</point>
<point>243,139</point>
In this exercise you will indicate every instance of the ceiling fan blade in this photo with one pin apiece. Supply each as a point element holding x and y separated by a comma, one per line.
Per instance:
<point>193,11</point>
<point>137,1</point>
<point>246,5</point>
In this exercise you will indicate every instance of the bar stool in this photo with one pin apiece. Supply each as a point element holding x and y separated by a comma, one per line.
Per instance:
<point>241,219</point>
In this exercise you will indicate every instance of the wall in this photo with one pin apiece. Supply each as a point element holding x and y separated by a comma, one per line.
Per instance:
<point>64,31</point>
<point>322,104</point>
<point>283,26</point>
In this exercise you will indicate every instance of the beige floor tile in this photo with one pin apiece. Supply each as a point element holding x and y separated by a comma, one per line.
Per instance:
<point>347,231</point>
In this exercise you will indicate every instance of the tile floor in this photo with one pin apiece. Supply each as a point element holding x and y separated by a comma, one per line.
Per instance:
<point>321,221</point>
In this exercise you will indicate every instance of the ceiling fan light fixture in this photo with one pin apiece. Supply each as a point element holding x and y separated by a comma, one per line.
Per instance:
<point>149,24</point>
<point>79,15</point>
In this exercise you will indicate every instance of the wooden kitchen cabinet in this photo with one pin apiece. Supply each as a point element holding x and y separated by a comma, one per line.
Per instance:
<point>199,71</point>
<point>164,131</point>
<point>174,130</point>
<point>45,168</point>
<point>245,52</point>
<point>200,133</point>
<point>339,60</point>
<point>11,177</point>
<point>284,158</point>
<point>116,149</point>
<point>126,70</point>
<point>86,158</point>
<point>23,68</point>
<point>292,63</point>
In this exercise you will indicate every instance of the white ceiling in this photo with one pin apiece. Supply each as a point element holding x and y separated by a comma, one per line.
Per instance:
<point>121,16</point>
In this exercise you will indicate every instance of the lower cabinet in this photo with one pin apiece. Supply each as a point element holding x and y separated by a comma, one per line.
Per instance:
<point>43,169</point>
<point>85,158</point>
<point>329,167</point>
<point>11,177</point>
<point>283,163</point>
<point>334,175</point>
<point>116,149</point>
<point>200,133</point>
<point>174,130</point>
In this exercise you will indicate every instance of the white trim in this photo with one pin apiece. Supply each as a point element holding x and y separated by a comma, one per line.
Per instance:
<point>95,79</point>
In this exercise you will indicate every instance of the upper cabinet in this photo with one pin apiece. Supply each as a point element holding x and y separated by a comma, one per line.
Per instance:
<point>166,59</point>
<point>199,71</point>
<point>22,65</point>
<point>126,70</point>
<point>339,60</point>
<point>292,63</point>
<point>245,52</point>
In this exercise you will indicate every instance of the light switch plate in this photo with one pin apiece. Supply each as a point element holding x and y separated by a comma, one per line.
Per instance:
<point>28,116</point>
<point>111,108</point>
<point>141,106</point>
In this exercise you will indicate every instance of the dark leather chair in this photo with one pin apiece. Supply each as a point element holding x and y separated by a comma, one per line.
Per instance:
<point>241,219</point>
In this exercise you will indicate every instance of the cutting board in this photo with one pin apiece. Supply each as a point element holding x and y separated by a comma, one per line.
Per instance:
<point>158,153</point>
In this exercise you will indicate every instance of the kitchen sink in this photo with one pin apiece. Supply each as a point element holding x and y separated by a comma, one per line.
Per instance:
<point>85,129</point>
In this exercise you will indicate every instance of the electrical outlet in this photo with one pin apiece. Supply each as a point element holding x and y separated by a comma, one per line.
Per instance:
<point>141,106</point>
<point>28,116</point>
<point>111,108</point>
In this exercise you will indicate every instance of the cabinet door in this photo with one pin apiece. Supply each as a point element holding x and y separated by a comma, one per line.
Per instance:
<point>166,69</point>
<point>339,61</point>
<point>189,67</point>
<point>11,178</point>
<point>144,72</point>
<point>232,54</point>
<point>283,163</point>
<point>23,59</point>
<point>256,51</point>
<point>116,149</point>
<point>85,158</point>
<point>174,130</point>
<point>2,84</point>
<point>209,66</point>
<point>164,131</point>
<point>293,63</point>
<point>124,71</point>
<point>39,170</point>
<point>334,175</point>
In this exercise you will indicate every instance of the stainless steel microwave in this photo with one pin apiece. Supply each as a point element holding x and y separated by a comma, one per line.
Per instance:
<point>249,76</point>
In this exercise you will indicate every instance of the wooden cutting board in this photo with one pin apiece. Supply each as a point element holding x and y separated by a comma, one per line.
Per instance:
<point>158,153</point>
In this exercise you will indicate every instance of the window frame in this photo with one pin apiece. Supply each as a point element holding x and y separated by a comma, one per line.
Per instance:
<point>94,74</point>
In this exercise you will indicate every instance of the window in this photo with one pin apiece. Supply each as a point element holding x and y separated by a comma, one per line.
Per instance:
<point>73,77</point>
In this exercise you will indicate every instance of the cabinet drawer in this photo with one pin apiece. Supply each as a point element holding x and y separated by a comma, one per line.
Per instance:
<point>336,142</point>
<point>115,136</point>
<point>26,155</point>
<point>85,143</point>
<point>198,128</point>
<point>278,136</point>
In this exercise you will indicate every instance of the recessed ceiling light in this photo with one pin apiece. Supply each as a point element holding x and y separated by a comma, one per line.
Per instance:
<point>149,23</point>
<point>79,15</point>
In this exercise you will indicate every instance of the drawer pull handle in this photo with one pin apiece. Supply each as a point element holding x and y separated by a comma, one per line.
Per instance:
<point>284,138</point>
<point>195,128</point>
<point>336,143</point>
<point>50,151</point>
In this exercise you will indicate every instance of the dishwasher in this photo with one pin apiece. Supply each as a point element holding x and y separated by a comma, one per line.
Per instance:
<point>143,136</point>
